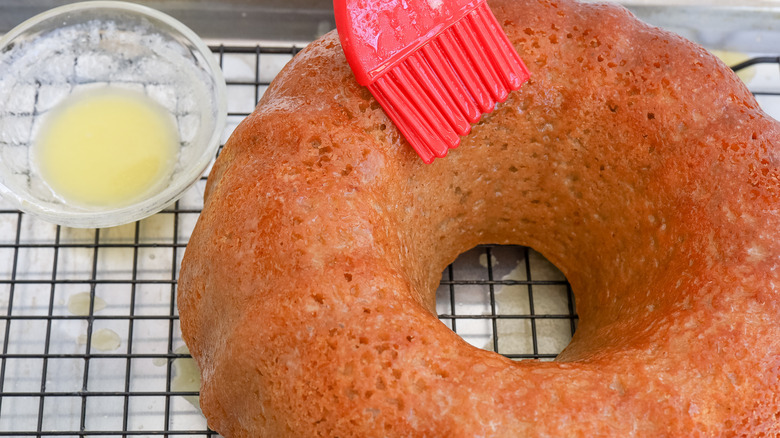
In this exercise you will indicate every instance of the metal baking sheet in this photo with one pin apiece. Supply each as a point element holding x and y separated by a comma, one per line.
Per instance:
<point>747,25</point>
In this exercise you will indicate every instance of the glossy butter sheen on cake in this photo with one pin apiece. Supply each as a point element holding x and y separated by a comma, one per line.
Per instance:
<point>634,160</point>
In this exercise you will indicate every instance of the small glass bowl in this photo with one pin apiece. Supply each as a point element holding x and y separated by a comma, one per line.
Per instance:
<point>105,43</point>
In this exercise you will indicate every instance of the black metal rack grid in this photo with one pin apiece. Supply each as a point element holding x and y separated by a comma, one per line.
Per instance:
<point>54,381</point>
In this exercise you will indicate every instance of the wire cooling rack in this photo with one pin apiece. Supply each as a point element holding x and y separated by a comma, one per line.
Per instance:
<point>91,344</point>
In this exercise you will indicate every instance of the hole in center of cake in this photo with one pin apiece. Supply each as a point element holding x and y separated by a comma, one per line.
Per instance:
<point>508,299</point>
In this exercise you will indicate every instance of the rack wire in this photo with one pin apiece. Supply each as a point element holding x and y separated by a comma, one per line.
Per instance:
<point>116,365</point>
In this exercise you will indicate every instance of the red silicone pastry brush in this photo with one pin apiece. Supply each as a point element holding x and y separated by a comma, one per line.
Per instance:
<point>435,66</point>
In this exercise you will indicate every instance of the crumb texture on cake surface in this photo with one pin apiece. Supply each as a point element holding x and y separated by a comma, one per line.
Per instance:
<point>633,160</point>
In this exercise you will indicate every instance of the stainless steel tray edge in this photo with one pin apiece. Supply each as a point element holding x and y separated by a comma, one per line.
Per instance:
<point>751,26</point>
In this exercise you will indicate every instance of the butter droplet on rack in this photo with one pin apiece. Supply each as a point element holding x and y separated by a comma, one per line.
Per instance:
<point>105,340</point>
<point>733,58</point>
<point>186,376</point>
<point>513,335</point>
<point>483,260</point>
<point>102,339</point>
<point>78,304</point>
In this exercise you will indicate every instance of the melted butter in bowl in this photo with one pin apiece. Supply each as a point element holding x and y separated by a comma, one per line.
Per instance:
<point>106,147</point>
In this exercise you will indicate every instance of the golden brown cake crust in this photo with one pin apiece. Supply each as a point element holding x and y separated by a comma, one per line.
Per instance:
<point>633,160</point>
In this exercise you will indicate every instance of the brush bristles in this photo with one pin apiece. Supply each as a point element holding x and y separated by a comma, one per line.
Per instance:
<point>437,92</point>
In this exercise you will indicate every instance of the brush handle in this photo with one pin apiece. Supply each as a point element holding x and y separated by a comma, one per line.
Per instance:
<point>378,34</point>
